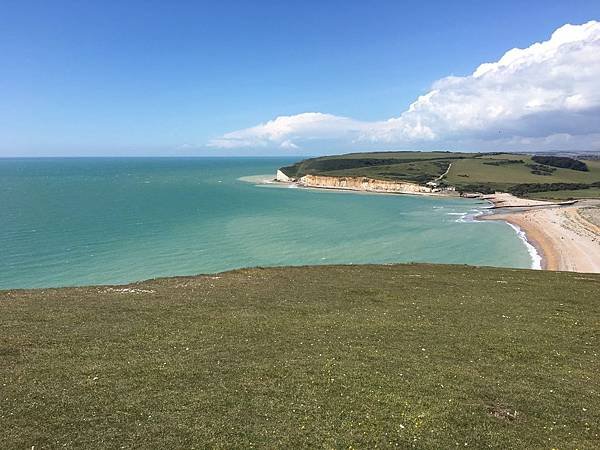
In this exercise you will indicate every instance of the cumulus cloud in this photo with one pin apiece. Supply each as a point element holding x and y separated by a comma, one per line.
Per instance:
<point>285,130</point>
<point>546,95</point>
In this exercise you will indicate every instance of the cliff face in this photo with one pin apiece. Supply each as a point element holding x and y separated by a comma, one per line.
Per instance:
<point>282,176</point>
<point>364,184</point>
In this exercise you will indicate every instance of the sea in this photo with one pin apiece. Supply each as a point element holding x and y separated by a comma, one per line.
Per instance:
<point>85,221</point>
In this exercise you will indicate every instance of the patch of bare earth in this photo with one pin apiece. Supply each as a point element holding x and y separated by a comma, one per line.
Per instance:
<point>591,214</point>
<point>502,412</point>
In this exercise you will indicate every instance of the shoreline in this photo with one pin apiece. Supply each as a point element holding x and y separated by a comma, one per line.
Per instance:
<point>543,252</point>
<point>562,237</point>
<point>362,191</point>
<point>555,234</point>
<point>534,248</point>
<point>535,252</point>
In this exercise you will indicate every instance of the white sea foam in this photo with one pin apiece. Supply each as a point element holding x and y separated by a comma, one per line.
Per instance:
<point>257,179</point>
<point>536,259</point>
<point>468,216</point>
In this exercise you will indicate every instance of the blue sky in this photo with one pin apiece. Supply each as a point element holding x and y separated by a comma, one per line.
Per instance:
<point>165,78</point>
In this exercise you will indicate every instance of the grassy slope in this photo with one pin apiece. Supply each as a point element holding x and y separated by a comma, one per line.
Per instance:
<point>567,194</point>
<point>506,175</point>
<point>417,171</point>
<point>398,155</point>
<point>467,170</point>
<point>406,166</point>
<point>431,356</point>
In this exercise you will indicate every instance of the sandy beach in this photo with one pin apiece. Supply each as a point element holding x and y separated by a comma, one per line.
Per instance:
<point>567,237</point>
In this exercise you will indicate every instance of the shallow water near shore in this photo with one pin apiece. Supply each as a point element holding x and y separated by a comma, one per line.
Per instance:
<point>79,221</point>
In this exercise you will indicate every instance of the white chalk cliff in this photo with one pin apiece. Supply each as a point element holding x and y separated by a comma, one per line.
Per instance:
<point>363,184</point>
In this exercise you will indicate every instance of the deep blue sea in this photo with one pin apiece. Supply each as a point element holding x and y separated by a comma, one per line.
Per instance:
<point>79,221</point>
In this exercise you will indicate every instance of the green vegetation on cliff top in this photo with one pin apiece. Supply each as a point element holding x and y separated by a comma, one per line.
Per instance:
<point>469,172</point>
<point>332,356</point>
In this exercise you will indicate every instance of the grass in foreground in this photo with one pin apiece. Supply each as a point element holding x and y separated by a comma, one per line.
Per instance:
<point>333,356</point>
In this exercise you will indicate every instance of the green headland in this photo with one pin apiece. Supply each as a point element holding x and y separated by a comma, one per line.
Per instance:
<point>335,356</point>
<point>520,174</point>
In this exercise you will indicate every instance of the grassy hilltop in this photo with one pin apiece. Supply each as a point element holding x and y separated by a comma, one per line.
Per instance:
<point>332,356</point>
<point>521,174</point>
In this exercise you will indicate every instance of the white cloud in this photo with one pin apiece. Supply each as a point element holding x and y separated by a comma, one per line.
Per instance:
<point>285,130</point>
<point>545,95</point>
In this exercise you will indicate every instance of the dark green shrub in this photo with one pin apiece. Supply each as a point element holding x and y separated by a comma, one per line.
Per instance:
<point>561,161</point>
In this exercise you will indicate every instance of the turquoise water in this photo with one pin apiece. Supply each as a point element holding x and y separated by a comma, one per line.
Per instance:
<point>67,222</point>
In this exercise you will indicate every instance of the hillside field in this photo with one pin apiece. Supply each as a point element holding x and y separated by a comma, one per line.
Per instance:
<point>469,172</point>
<point>332,356</point>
